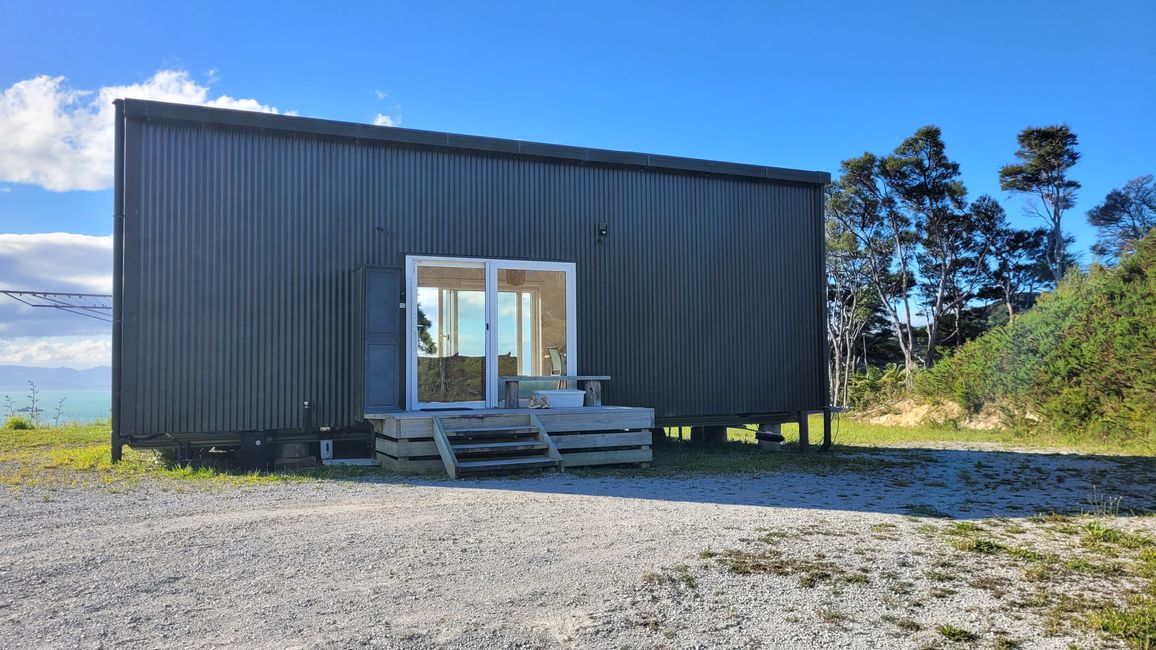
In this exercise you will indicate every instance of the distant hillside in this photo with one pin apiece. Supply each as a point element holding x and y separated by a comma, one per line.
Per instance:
<point>12,377</point>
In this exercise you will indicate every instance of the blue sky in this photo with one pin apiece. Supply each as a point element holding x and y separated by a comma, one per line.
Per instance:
<point>786,84</point>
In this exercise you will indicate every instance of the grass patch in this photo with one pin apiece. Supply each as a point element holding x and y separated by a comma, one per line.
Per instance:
<point>741,455</point>
<point>831,616</point>
<point>957,634</point>
<point>984,546</point>
<point>1004,643</point>
<point>1097,535</point>
<point>80,455</point>
<point>938,575</point>
<point>772,562</point>
<point>963,528</point>
<point>683,576</point>
<point>908,625</point>
<point>851,432</point>
<point>1135,624</point>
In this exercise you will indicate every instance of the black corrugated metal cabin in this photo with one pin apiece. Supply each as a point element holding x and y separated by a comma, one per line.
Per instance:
<point>287,276</point>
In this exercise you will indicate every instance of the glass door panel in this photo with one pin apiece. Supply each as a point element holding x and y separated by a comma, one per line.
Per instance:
<point>451,333</point>
<point>532,324</point>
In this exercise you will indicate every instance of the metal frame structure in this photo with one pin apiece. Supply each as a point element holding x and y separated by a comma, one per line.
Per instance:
<point>92,305</point>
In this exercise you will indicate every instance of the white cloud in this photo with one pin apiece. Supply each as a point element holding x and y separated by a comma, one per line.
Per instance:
<point>56,351</point>
<point>56,261</point>
<point>61,138</point>
<point>380,94</point>
<point>384,120</point>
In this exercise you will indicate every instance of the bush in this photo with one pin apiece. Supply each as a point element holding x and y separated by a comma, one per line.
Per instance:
<point>17,423</point>
<point>876,386</point>
<point>1083,359</point>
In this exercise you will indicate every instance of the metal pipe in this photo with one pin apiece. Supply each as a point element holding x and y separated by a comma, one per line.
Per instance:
<point>117,273</point>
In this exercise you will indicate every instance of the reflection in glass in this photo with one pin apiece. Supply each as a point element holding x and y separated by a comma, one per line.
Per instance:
<point>451,319</point>
<point>531,325</point>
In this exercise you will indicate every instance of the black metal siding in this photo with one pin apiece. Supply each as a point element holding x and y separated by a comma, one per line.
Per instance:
<point>240,245</point>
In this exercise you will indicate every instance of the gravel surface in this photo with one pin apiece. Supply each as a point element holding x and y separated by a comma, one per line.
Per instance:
<point>548,561</point>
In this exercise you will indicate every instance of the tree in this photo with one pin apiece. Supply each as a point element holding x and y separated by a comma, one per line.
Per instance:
<point>1017,269</point>
<point>953,241</point>
<point>851,304</point>
<point>1125,216</point>
<point>425,342</point>
<point>978,244</point>
<point>1046,154</point>
<point>864,206</point>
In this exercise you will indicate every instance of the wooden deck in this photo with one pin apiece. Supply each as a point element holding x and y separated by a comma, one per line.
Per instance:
<point>591,435</point>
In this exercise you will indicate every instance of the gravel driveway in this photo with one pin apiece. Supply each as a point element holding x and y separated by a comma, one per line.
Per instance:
<point>548,561</point>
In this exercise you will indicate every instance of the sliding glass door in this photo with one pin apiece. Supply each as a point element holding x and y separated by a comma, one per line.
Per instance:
<point>533,324</point>
<point>450,337</point>
<point>473,321</point>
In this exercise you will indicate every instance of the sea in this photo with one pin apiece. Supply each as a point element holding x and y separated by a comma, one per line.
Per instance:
<point>82,405</point>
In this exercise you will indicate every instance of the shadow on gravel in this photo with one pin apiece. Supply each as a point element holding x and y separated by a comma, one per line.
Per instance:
<point>920,482</point>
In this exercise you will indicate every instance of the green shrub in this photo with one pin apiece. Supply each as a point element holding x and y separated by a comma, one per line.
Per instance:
<point>876,386</point>
<point>17,423</point>
<point>1083,360</point>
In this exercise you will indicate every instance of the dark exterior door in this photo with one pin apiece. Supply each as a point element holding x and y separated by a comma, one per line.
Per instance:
<point>383,340</point>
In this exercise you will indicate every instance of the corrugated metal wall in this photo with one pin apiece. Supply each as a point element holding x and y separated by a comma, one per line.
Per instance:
<point>240,248</point>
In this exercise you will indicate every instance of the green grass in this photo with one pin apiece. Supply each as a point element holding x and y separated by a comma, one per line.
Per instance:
<point>79,455</point>
<point>849,432</point>
<point>737,456</point>
<point>957,634</point>
<point>1134,623</point>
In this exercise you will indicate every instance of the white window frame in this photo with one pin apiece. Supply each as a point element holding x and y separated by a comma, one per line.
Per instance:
<point>493,384</point>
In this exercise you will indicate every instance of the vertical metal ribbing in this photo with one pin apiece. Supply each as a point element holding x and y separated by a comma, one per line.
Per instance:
<point>250,239</point>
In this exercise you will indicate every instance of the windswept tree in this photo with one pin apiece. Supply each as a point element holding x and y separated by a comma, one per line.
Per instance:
<point>864,206</point>
<point>953,241</point>
<point>851,304</point>
<point>1016,268</point>
<point>1046,155</point>
<point>1125,216</point>
<point>971,276</point>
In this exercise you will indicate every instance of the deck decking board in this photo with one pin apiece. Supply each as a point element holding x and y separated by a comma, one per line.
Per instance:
<point>600,435</point>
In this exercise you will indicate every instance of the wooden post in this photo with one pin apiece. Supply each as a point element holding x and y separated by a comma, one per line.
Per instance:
<point>697,435</point>
<point>512,388</point>
<point>826,429</point>
<point>804,433</point>
<point>593,393</point>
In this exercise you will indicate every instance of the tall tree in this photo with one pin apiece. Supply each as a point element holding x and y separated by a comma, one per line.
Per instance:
<point>864,206</point>
<point>851,304</point>
<point>1125,216</point>
<point>953,240</point>
<point>1046,154</point>
<point>978,245</point>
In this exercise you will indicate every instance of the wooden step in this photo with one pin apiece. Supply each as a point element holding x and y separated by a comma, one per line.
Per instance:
<point>495,447</point>
<point>477,432</point>
<point>528,462</point>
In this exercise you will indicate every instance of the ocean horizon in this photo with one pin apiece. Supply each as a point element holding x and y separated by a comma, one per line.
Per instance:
<point>82,405</point>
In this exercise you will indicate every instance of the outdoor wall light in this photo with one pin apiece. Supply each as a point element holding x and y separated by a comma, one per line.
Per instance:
<point>602,231</point>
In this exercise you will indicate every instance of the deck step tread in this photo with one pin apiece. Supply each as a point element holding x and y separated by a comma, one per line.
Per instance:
<point>532,461</point>
<point>481,447</point>
<point>484,430</point>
